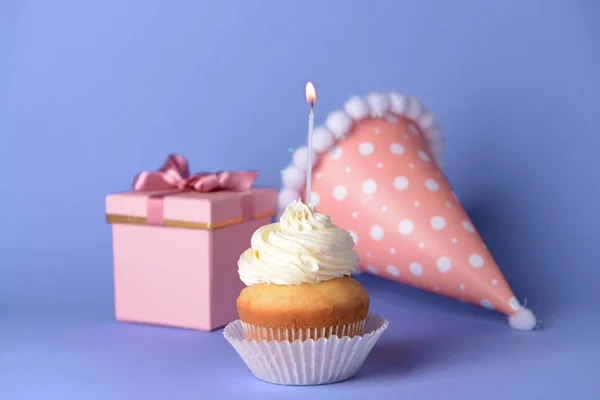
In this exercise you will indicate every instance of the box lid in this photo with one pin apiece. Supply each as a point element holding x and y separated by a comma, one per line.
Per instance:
<point>191,209</point>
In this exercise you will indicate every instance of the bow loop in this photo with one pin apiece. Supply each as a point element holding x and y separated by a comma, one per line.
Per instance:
<point>176,165</point>
<point>236,180</point>
<point>203,182</point>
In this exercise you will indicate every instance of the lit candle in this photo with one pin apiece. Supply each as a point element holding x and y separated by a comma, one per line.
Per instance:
<point>311,97</point>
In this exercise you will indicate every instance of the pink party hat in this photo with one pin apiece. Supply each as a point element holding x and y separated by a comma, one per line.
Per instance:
<point>377,173</point>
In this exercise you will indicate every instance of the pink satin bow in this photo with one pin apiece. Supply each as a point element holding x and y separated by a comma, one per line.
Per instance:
<point>174,174</point>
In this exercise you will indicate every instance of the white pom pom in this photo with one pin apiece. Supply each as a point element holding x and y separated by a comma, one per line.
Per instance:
<point>378,103</point>
<point>426,120</point>
<point>437,148</point>
<point>322,140</point>
<point>293,177</point>
<point>357,108</point>
<point>398,103</point>
<point>524,320</point>
<point>433,133</point>
<point>339,123</point>
<point>436,142</point>
<point>300,158</point>
<point>414,109</point>
<point>286,196</point>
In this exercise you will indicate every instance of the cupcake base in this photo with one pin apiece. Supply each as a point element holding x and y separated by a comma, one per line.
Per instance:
<point>254,332</point>
<point>306,362</point>
<point>334,302</point>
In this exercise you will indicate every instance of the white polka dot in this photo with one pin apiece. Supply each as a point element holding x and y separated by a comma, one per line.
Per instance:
<point>415,268</point>
<point>424,156</point>
<point>417,204</point>
<point>400,182</point>
<point>438,222</point>
<point>377,232</point>
<point>368,254</point>
<point>318,175</point>
<point>405,227</point>
<point>448,205</point>
<point>365,148</point>
<point>339,192</point>
<point>393,250</point>
<point>421,245</point>
<point>443,264</point>
<point>484,246</point>
<point>468,226</point>
<point>432,184</point>
<point>411,165</point>
<point>348,168</point>
<point>514,303</point>
<point>413,129</point>
<point>315,198</point>
<point>377,131</point>
<point>455,195</point>
<point>372,269</point>
<point>485,303</point>
<point>454,240</point>
<point>397,148</point>
<point>462,286</point>
<point>369,186</point>
<point>354,237</point>
<point>392,270</point>
<point>384,208</point>
<point>379,165</point>
<point>355,215</point>
<point>476,260</point>
<point>335,153</point>
<point>494,282</point>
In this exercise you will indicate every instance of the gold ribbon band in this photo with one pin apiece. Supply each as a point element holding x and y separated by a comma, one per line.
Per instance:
<point>127,219</point>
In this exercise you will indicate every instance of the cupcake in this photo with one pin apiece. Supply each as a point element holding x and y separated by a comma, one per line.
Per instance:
<point>297,274</point>
<point>303,319</point>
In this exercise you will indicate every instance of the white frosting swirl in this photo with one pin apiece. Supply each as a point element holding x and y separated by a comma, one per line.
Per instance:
<point>303,247</point>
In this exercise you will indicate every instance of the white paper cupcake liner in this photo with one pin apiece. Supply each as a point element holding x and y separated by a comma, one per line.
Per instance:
<point>306,362</point>
<point>280,334</point>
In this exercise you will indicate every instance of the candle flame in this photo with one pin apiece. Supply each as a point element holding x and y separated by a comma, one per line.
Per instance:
<point>311,94</point>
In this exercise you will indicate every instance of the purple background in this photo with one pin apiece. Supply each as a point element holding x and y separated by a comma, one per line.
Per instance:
<point>92,92</point>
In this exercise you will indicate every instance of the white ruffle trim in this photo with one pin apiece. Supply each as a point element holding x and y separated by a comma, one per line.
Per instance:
<point>339,123</point>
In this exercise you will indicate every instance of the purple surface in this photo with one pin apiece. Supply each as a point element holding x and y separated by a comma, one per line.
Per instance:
<point>434,348</point>
<point>92,92</point>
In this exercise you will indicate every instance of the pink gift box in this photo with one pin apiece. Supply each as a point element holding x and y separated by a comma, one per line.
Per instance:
<point>180,270</point>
